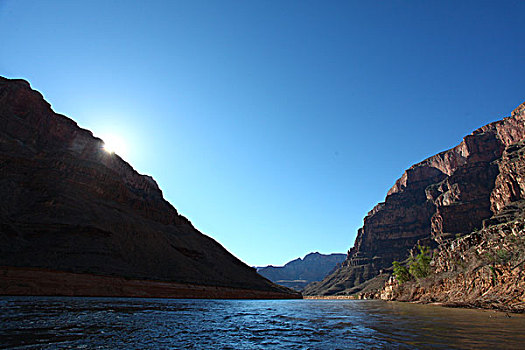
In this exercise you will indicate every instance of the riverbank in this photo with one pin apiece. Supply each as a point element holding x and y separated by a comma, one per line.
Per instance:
<point>330,297</point>
<point>496,307</point>
<point>482,270</point>
<point>16,281</point>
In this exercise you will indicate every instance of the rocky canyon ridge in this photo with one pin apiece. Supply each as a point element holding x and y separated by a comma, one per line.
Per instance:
<point>76,220</point>
<point>298,273</point>
<point>468,205</point>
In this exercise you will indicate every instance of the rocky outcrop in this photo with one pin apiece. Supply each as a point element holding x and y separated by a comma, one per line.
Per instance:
<point>69,206</point>
<point>297,273</point>
<point>484,268</point>
<point>510,182</point>
<point>445,196</point>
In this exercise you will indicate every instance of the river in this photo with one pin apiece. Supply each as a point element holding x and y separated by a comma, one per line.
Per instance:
<point>125,323</point>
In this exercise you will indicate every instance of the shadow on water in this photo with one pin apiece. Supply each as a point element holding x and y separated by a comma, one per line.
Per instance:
<point>54,322</point>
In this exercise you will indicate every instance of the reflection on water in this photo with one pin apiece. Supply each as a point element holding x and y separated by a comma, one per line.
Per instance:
<point>91,323</point>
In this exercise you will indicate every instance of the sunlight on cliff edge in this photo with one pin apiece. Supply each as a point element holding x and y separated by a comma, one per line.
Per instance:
<point>115,144</point>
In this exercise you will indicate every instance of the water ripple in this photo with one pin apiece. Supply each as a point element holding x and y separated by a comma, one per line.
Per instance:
<point>101,323</point>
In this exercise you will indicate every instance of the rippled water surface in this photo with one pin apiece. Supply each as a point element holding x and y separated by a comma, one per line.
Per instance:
<point>101,323</point>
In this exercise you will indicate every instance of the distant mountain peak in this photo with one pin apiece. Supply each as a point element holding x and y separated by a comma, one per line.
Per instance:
<point>301,271</point>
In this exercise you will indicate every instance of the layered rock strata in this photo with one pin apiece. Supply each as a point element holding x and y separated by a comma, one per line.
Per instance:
<point>69,206</point>
<point>484,268</point>
<point>445,196</point>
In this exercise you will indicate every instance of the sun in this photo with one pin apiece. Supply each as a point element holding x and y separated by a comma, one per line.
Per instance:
<point>114,144</point>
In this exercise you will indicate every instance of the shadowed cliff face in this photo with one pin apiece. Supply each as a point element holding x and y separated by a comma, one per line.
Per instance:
<point>68,205</point>
<point>446,195</point>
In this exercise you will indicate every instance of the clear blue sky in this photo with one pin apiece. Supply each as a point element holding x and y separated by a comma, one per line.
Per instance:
<point>274,126</point>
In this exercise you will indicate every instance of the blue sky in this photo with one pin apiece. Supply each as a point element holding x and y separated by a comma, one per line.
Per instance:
<point>274,126</point>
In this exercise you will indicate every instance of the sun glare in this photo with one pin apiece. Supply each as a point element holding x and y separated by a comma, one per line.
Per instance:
<point>114,144</point>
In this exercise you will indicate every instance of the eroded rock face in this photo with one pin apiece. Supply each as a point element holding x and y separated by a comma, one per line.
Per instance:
<point>510,182</point>
<point>447,195</point>
<point>484,268</point>
<point>67,205</point>
<point>481,269</point>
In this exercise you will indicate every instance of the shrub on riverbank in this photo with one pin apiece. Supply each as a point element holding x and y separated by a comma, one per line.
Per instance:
<point>417,267</point>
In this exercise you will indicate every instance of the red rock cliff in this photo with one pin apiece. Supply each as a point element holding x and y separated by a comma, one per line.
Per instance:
<point>449,194</point>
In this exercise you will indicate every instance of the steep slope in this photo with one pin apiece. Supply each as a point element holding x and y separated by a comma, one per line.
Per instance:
<point>298,273</point>
<point>69,206</point>
<point>442,197</point>
<point>484,268</point>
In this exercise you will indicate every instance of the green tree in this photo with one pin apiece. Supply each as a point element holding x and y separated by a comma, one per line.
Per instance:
<point>419,266</point>
<point>400,272</point>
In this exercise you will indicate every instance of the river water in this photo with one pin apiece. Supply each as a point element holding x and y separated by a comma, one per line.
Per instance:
<point>109,323</point>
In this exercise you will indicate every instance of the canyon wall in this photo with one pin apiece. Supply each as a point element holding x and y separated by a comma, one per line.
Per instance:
<point>444,197</point>
<point>69,206</point>
<point>484,268</point>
